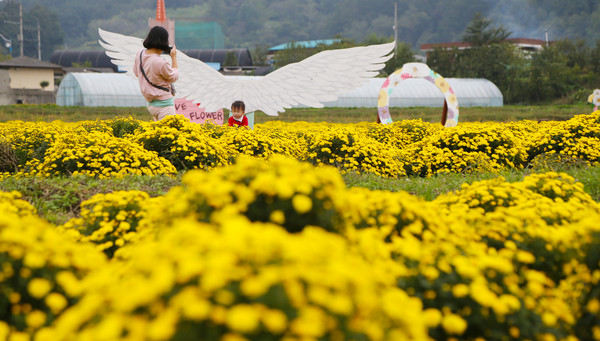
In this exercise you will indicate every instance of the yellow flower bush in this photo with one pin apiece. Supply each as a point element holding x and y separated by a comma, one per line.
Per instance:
<point>11,202</point>
<point>465,149</point>
<point>353,152</point>
<point>30,141</point>
<point>185,148</point>
<point>242,281</point>
<point>40,272</point>
<point>393,213</point>
<point>577,138</point>
<point>288,136</point>
<point>252,143</point>
<point>110,220</point>
<point>281,190</point>
<point>99,154</point>
<point>214,259</point>
<point>409,147</point>
<point>402,133</point>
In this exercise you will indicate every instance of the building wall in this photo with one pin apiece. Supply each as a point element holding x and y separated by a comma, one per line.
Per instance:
<point>33,96</point>
<point>6,96</point>
<point>10,96</point>
<point>23,78</point>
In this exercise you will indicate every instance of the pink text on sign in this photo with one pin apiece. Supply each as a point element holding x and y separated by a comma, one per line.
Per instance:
<point>195,114</point>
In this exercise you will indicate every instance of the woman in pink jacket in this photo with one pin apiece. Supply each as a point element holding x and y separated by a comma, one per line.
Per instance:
<point>155,74</point>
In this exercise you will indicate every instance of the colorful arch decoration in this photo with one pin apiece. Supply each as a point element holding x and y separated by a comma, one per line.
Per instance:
<point>418,70</point>
<point>594,98</point>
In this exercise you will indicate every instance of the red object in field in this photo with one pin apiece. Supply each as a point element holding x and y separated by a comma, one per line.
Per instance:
<point>161,15</point>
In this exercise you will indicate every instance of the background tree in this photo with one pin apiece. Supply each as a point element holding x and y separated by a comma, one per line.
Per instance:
<point>550,77</point>
<point>259,54</point>
<point>230,59</point>
<point>480,33</point>
<point>404,54</point>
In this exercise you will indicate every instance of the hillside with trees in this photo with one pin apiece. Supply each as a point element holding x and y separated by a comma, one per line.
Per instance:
<point>250,23</point>
<point>566,69</point>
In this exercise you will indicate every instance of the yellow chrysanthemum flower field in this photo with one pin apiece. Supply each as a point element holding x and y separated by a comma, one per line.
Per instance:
<point>262,240</point>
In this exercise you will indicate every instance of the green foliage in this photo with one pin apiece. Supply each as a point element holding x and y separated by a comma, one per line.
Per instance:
<point>230,59</point>
<point>8,158</point>
<point>57,199</point>
<point>555,73</point>
<point>403,54</point>
<point>479,32</point>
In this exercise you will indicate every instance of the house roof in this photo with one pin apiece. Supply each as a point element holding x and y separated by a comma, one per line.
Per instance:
<point>26,62</point>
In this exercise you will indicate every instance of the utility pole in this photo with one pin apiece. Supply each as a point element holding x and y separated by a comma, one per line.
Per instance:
<point>39,41</point>
<point>21,28</point>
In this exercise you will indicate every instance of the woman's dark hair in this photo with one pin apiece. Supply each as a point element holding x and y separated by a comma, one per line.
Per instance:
<point>238,105</point>
<point>158,38</point>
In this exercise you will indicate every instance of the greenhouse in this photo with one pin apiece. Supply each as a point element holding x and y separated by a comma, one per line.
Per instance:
<point>115,89</point>
<point>99,90</point>
<point>417,92</point>
<point>470,92</point>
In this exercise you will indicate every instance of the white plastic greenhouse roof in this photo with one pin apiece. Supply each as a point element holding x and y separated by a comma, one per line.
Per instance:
<point>100,89</point>
<point>114,89</point>
<point>416,92</point>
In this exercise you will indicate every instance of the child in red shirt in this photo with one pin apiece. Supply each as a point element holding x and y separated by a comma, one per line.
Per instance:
<point>238,118</point>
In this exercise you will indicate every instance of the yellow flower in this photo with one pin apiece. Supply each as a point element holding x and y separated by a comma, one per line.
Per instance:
<point>278,217</point>
<point>310,322</point>
<point>549,319</point>
<point>163,327</point>
<point>274,320</point>
<point>243,318</point>
<point>596,332</point>
<point>35,319</point>
<point>39,287</point>
<point>4,330</point>
<point>302,203</point>
<point>454,324</point>
<point>525,257</point>
<point>56,302</point>
<point>460,290</point>
<point>433,317</point>
<point>593,306</point>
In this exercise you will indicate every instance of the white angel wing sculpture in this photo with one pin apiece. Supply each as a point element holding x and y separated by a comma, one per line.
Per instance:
<point>317,79</point>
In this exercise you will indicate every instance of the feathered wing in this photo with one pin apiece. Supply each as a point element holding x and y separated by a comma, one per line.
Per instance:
<point>121,49</point>
<point>317,79</point>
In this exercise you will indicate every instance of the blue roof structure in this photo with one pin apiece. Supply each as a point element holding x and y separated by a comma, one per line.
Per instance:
<point>306,44</point>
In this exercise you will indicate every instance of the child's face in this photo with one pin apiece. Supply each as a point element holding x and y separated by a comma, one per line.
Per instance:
<point>237,112</point>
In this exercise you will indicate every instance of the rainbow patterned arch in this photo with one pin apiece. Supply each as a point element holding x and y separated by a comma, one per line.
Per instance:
<point>418,70</point>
